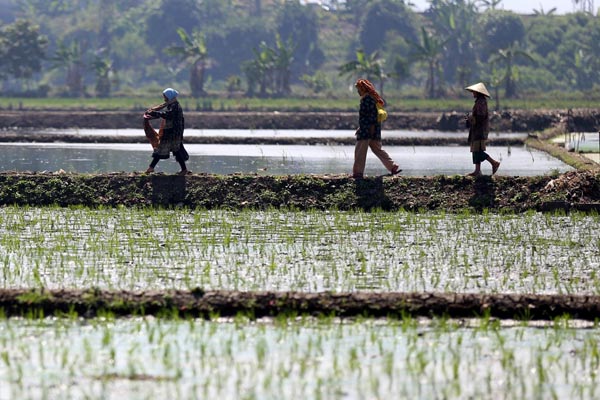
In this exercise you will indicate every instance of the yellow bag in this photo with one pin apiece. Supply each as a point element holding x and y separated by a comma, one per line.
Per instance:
<point>381,113</point>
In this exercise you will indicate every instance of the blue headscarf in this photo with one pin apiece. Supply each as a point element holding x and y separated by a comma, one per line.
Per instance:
<point>170,93</point>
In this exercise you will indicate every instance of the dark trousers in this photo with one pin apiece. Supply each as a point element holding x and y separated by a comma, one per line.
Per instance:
<point>180,159</point>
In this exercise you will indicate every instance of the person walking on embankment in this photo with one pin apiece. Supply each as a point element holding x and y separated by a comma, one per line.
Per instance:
<point>368,134</point>
<point>478,123</point>
<point>171,138</point>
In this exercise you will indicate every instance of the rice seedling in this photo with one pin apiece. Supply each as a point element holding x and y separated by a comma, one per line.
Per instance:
<point>309,251</point>
<point>304,251</point>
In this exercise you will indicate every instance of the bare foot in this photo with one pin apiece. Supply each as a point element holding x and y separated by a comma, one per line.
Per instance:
<point>150,170</point>
<point>184,172</point>
<point>474,173</point>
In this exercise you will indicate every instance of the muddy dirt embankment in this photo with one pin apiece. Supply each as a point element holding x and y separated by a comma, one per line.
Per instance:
<point>207,304</point>
<point>570,191</point>
<point>506,121</point>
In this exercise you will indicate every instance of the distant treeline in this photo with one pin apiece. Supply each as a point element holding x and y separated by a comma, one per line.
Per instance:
<point>282,48</point>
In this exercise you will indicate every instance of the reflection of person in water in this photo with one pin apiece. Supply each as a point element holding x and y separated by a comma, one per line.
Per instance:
<point>479,127</point>
<point>368,134</point>
<point>169,139</point>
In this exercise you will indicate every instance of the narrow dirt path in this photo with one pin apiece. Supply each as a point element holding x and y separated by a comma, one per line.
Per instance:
<point>208,304</point>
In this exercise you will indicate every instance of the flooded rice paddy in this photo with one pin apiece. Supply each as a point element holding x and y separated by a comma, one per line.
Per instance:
<point>301,251</point>
<point>141,358</point>
<point>286,357</point>
<point>583,142</point>
<point>268,158</point>
<point>144,249</point>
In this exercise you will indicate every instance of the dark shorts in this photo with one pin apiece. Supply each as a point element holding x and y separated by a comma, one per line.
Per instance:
<point>479,157</point>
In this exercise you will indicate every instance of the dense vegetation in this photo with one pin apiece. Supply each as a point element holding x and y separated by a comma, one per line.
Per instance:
<point>277,48</point>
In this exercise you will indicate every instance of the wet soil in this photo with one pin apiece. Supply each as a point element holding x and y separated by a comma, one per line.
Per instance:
<point>587,120</point>
<point>209,304</point>
<point>578,190</point>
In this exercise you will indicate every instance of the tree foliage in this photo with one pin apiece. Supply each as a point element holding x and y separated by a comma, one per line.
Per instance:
<point>429,50</point>
<point>22,50</point>
<point>80,47</point>
<point>501,29</point>
<point>192,51</point>
<point>299,24</point>
<point>369,66</point>
<point>383,16</point>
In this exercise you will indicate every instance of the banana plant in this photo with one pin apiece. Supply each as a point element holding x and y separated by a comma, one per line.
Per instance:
<point>367,66</point>
<point>430,50</point>
<point>507,57</point>
<point>193,51</point>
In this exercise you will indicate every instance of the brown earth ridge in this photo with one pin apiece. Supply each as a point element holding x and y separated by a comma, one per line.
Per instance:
<point>578,190</point>
<point>210,304</point>
<point>587,120</point>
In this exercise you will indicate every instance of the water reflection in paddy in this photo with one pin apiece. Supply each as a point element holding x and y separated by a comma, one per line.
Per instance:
<point>269,159</point>
<point>276,133</point>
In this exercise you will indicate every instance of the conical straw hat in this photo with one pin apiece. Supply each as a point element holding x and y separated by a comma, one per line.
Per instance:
<point>478,88</point>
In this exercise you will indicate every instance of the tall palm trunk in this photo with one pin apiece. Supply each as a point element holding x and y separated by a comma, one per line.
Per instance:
<point>509,85</point>
<point>431,80</point>
<point>197,79</point>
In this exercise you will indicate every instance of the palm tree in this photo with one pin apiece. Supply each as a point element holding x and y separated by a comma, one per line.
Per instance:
<point>456,20</point>
<point>429,50</point>
<point>259,71</point>
<point>102,69</point>
<point>283,56</point>
<point>541,12</point>
<point>193,50</point>
<point>496,79</point>
<point>70,58</point>
<point>490,4</point>
<point>507,57</point>
<point>586,5</point>
<point>370,66</point>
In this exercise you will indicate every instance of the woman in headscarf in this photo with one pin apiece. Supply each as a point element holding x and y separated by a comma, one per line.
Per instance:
<point>368,134</point>
<point>171,140</point>
<point>479,127</point>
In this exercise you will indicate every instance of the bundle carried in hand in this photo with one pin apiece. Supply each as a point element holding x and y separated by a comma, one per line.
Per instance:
<point>381,113</point>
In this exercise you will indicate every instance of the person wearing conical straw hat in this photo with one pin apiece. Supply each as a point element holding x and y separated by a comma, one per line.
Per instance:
<point>479,127</point>
<point>368,134</point>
